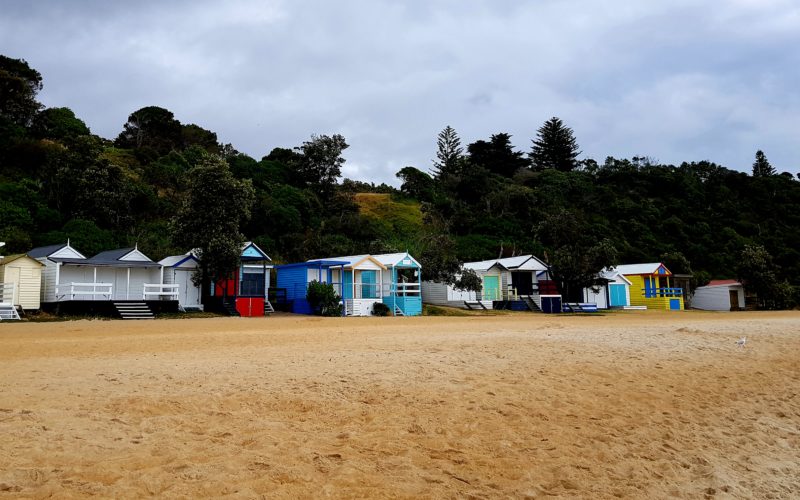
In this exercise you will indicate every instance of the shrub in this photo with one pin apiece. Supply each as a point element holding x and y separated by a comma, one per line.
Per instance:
<point>323,299</point>
<point>380,309</point>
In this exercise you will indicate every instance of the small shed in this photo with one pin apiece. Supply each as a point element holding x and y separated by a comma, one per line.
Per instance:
<point>719,295</point>
<point>179,270</point>
<point>21,281</point>
<point>616,292</point>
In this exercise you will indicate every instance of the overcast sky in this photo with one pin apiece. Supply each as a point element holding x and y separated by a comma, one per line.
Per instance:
<point>675,80</point>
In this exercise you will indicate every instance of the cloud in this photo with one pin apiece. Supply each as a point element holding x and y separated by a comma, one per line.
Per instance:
<point>674,80</point>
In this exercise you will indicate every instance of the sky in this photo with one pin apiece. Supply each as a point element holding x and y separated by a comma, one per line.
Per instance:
<point>674,80</point>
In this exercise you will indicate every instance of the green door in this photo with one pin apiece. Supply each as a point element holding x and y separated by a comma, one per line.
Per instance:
<point>491,287</point>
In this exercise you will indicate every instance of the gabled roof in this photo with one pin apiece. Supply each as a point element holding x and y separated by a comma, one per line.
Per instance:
<point>612,274</point>
<point>314,263</point>
<point>251,251</point>
<point>111,258</point>
<point>520,262</point>
<point>395,259</point>
<point>11,258</point>
<point>177,260</point>
<point>483,265</point>
<point>648,268</point>
<point>525,262</point>
<point>40,252</point>
<point>353,260</point>
<point>723,283</point>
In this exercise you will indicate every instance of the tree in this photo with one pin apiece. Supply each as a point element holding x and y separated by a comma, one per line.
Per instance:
<point>58,124</point>
<point>469,281</point>
<point>416,183</point>
<point>153,128</point>
<point>448,153</point>
<point>209,220</point>
<point>321,163</point>
<point>762,167</point>
<point>19,84</point>
<point>555,147</point>
<point>759,274</point>
<point>195,135</point>
<point>497,155</point>
<point>575,255</point>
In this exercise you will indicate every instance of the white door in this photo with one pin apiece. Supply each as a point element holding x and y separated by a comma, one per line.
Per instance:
<point>188,293</point>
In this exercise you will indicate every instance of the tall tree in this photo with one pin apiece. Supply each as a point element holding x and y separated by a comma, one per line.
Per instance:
<point>448,152</point>
<point>416,183</point>
<point>762,167</point>
<point>555,147</point>
<point>321,163</point>
<point>151,127</point>
<point>19,84</point>
<point>497,155</point>
<point>209,220</point>
<point>574,254</point>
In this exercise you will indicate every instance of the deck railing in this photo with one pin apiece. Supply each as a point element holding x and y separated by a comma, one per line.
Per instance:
<point>155,291</point>
<point>7,293</point>
<point>93,290</point>
<point>650,293</point>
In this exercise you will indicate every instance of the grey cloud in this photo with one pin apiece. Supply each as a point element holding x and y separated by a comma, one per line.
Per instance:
<point>673,80</point>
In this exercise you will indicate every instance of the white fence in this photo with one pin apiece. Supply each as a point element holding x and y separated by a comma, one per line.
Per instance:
<point>92,290</point>
<point>159,292</point>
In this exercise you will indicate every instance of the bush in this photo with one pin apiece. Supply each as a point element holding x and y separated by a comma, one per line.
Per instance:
<point>323,299</point>
<point>380,309</point>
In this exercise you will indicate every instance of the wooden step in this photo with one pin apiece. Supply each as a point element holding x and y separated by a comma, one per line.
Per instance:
<point>133,310</point>
<point>268,309</point>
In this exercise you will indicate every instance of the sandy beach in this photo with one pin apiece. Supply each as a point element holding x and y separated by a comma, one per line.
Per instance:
<point>632,405</point>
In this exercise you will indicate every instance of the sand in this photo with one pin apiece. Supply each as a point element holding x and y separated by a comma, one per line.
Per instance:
<point>638,405</point>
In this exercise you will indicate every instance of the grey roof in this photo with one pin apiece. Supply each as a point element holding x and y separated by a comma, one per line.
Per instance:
<point>110,258</point>
<point>39,252</point>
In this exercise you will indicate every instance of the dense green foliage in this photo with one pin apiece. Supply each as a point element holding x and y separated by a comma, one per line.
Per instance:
<point>323,299</point>
<point>485,200</point>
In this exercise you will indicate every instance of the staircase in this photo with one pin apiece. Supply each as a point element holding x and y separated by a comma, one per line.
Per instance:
<point>229,306</point>
<point>133,310</point>
<point>474,304</point>
<point>8,312</point>
<point>398,311</point>
<point>268,309</point>
<point>532,305</point>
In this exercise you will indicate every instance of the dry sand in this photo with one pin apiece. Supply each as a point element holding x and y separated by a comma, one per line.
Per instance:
<point>639,404</point>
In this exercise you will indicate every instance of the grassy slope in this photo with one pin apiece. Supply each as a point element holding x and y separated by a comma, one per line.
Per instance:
<point>396,218</point>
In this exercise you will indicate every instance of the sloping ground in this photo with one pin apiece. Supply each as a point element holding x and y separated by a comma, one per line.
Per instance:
<point>392,216</point>
<point>637,405</point>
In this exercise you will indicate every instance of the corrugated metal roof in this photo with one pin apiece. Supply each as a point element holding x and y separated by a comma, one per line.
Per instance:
<point>723,283</point>
<point>648,268</point>
<point>393,259</point>
<point>527,262</point>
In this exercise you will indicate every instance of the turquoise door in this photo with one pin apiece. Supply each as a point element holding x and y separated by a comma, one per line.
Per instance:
<point>491,288</point>
<point>618,296</point>
<point>347,285</point>
<point>369,284</point>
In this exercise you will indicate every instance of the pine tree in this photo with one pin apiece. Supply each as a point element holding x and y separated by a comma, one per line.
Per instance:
<point>554,147</point>
<point>761,167</point>
<point>448,153</point>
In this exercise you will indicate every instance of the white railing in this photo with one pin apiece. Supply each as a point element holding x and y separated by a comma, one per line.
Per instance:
<point>160,291</point>
<point>93,290</point>
<point>7,293</point>
<point>404,289</point>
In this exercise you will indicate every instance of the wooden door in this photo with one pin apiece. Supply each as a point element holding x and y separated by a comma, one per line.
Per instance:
<point>734,299</point>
